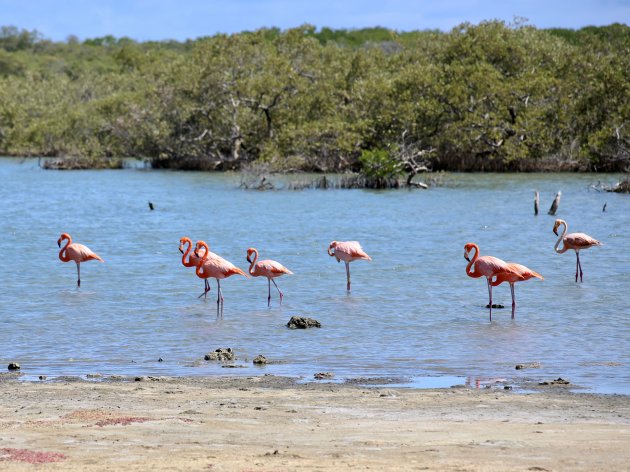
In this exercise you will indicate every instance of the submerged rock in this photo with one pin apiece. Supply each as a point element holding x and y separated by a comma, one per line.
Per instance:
<point>323,375</point>
<point>221,354</point>
<point>495,305</point>
<point>260,360</point>
<point>531,365</point>
<point>13,366</point>
<point>558,381</point>
<point>301,322</point>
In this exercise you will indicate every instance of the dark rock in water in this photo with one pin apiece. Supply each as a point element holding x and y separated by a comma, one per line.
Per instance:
<point>260,359</point>
<point>233,366</point>
<point>160,360</point>
<point>13,366</point>
<point>558,381</point>
<point>531,365</point>
<point>507,387</point>
<point>495,305</point>
<point>323,375</point>
<point>301,322</point>
<point>42,377</point>
<point>221,354</point>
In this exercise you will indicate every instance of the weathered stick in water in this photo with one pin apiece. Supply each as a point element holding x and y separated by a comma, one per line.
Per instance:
<point>555,204</point>
<point>536,202</point>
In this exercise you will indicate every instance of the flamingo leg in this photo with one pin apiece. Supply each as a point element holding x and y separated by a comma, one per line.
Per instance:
<point>579,265</point>
<point>513,300</point>
<point>268,292</point>
<point>78,275</point>
<point>279,291</point>
<point>220,294</point>
<point>490,296</point>
<point>206,288</point>
<point>348,274</point>
<point>219,300</point>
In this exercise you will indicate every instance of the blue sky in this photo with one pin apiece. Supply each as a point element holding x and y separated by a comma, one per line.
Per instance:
<point>182,19</point>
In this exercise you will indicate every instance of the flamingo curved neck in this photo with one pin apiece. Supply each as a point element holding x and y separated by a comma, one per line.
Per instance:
<point>469,272</point>
<point>63,255</point>
<point>560,239</point>
<point>185,258</point>
<point>202,260</point>
<point>251,265</point>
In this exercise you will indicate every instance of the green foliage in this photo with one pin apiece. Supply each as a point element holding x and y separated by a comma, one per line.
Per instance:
<point>480,97</point>
<point>379,164</point>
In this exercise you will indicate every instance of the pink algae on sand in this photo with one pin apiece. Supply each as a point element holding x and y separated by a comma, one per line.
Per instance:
<point>32,457</point>
<point>122,420</point>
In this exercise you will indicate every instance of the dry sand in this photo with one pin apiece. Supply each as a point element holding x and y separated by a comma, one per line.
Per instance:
<point>272,424</point>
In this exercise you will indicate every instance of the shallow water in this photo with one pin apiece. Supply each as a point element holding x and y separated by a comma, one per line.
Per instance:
<point>412,314</point>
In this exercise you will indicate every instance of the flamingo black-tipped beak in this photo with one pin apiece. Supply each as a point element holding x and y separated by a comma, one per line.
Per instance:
<point>196,253</point>
<point>181,250</point>
<point>555,230</point>
<point>466,256</point>
<point>59,243</point>
<point>248,259</point>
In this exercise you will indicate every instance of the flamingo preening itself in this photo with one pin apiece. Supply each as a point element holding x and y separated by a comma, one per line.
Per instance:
<point>266,268</point>
<point>516,273</point>
<point>575,241</point>
<point>77,253</point>
<point>347,251</point>
<point>212,265</point>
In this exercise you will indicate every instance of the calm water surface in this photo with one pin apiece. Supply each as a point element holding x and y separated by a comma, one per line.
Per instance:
<point>413,313</point>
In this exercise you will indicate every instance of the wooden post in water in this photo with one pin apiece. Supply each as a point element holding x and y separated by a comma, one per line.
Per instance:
<point>555,204</point>
<point>536,202</point>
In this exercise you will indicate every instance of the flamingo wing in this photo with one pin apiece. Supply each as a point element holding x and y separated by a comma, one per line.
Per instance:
<point>490,265</point>
<point>272,268</point>
<point>353,249</point>
<point>80,253</point>
<point>217,267</point>
<point>580,240</point>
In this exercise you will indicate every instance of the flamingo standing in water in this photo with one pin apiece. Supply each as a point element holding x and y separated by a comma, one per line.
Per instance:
<point>347,251</point>
<point>191,260</point>
<point>77,253</point>
<point>266,268</point>
<point>212,265</point>
<point>575,241</point>
<point>517,273</point>
<point>485,266</point>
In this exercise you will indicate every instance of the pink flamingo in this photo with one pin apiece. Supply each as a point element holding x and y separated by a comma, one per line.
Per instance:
<point>190,259</point>
<point>212,265</point>
<point>77,253</point>
<point>485,266</point>
<point>266,268</point>
<point>575,241</point>
<point>347,251</point>
<point>517,273</point>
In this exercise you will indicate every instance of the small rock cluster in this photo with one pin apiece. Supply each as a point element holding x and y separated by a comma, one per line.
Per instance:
<point>323,375</point>
<point>260,360</point>
<point>301,322</point>
<point>558,381</point>
<point>221,354</point>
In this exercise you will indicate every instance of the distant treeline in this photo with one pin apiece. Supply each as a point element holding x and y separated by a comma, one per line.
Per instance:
<point>480,97</point>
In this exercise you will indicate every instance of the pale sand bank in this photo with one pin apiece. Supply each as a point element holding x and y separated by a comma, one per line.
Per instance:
<point>270,424</point>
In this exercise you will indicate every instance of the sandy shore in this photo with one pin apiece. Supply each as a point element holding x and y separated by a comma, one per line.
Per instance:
<point>271,424</point>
